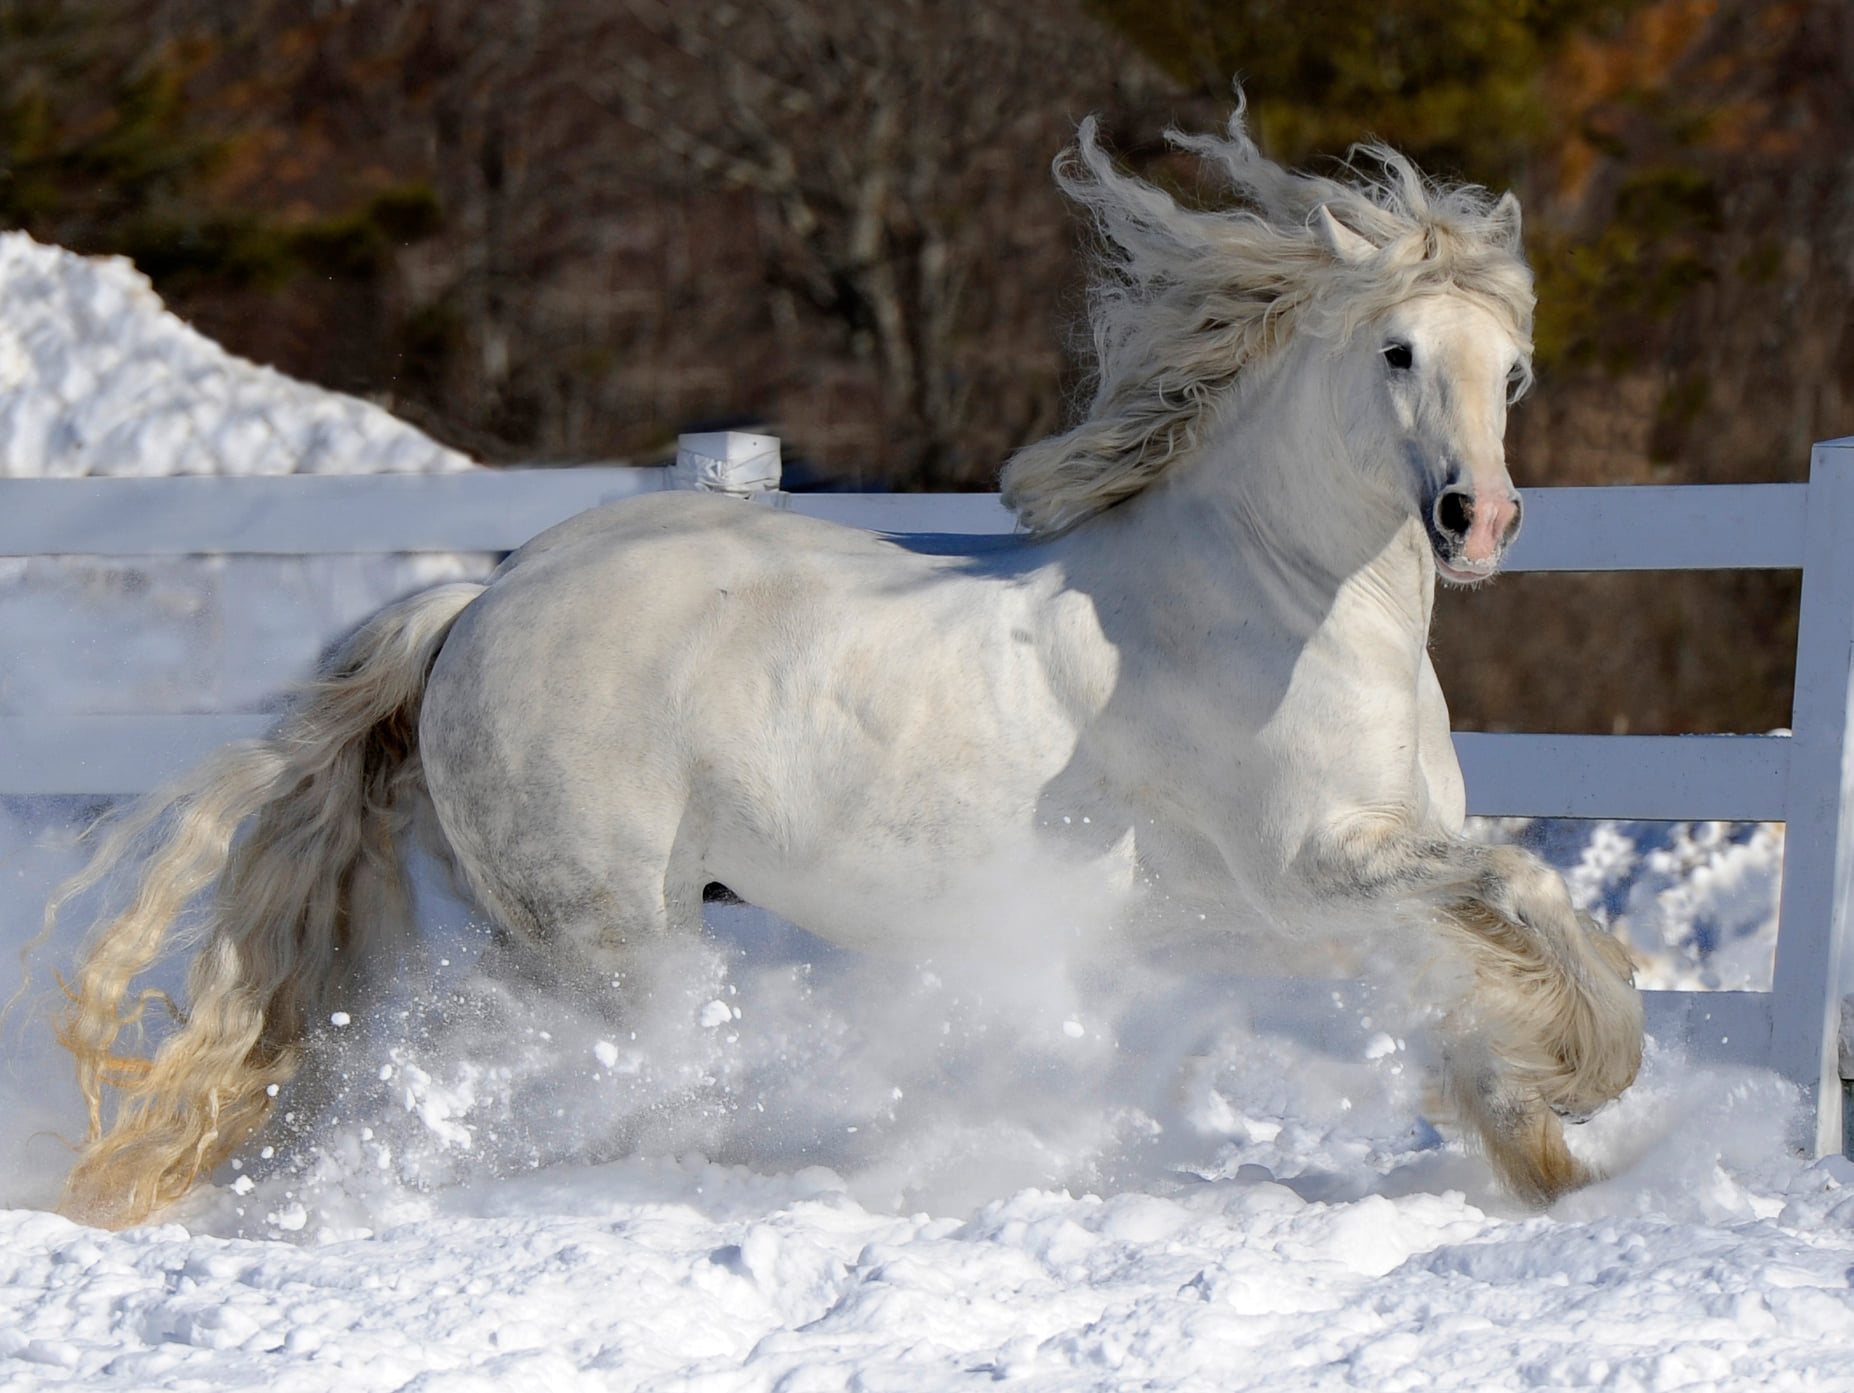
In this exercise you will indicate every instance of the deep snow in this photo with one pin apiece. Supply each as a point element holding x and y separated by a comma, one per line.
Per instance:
<point>804,1170</point>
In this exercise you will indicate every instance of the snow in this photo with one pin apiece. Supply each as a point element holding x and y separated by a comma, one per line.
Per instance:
<point>1695,1271</point>
<point>1696,901</point>
<point>96,377</point>
<point>798,1169</point>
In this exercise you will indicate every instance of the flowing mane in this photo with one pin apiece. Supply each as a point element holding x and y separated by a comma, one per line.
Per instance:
<point>1183,301</point>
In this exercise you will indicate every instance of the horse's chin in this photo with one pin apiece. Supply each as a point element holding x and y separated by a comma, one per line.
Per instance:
<point>1458,573</point>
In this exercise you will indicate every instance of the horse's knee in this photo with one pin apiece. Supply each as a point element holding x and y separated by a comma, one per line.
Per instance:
<point>1519,886</point>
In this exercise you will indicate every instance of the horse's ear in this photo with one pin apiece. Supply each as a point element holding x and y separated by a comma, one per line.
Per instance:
<point>1340,240</point>
<point>1505,220</point>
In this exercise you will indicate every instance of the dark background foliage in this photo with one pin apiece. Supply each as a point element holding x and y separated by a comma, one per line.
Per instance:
<point>565,230</point>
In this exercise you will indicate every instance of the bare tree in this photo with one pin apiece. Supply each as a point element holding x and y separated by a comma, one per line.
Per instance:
<point>830,215</point>
<point>888,151</point>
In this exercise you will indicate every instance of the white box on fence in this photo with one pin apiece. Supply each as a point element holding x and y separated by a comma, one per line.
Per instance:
<point>728,461</point>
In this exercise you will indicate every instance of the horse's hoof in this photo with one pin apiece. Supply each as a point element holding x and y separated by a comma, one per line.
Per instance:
<point>1577,1117</point>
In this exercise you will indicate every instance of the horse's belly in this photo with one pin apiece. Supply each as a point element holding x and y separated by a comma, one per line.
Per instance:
<point>1023,893</point>
<point>890,840</point>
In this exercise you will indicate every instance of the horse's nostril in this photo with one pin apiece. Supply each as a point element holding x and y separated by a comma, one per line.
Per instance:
<point>1512,525</point>
<point>1455,512</point>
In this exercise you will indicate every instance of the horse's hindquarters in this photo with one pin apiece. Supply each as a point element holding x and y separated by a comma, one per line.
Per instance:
<point>550,755</point>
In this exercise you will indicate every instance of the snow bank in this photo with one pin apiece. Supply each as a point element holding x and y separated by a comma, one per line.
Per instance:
<point>97,377</point>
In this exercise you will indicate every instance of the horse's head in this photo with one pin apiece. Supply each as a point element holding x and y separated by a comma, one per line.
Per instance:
<point>1429,380</point>
<point>1416,293</point>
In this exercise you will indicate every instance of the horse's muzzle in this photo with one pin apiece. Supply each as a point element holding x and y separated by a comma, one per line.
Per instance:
<point>1470,533</point>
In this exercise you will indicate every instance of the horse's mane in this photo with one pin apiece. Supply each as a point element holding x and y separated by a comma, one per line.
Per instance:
<point>1183,300</point>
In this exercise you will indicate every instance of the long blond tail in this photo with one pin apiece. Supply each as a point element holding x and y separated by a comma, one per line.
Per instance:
<point>301,903</point>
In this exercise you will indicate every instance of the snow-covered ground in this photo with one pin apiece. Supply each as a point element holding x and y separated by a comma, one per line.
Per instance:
<point>803,1170</point>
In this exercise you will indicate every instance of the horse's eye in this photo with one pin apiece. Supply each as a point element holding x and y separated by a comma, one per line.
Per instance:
<point>1398,355</point>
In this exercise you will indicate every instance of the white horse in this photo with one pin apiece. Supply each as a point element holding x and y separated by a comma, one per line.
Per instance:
<point>1195,693</point>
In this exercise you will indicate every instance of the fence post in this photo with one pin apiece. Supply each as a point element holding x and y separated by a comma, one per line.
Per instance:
<point>1818,861</point>
<point>727,461</point>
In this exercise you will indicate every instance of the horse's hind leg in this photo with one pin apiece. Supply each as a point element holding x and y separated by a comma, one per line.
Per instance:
<point>585,910</point>
<point>600,942</point>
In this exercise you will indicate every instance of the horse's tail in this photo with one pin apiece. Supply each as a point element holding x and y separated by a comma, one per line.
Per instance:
<point>301,903</point>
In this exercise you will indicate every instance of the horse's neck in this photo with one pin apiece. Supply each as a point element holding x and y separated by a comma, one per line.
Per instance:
<point>1273,513</point>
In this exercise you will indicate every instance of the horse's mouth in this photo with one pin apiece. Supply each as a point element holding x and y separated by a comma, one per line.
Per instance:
<point>1463,572</point>
<point>1453,567</point>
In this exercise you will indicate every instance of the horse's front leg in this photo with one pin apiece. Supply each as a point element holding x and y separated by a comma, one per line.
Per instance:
<point>1548,1022</point>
